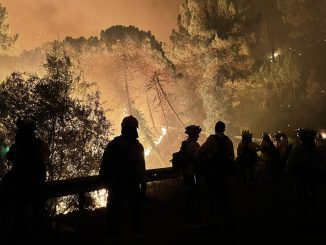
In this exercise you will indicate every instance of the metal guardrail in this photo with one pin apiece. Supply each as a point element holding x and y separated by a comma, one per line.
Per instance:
<point>82,185</point>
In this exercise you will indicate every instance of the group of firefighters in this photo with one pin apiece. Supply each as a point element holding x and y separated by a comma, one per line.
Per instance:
<point>268,161</point>
<point>123,170</point>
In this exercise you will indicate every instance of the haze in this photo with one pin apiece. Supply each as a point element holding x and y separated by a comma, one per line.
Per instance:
<point>40,21</point>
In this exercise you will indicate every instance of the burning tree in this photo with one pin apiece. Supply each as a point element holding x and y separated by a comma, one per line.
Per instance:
<point>125,60</point>
<point>209,48</point>
<point>142,63</point>
<point>253,63</point>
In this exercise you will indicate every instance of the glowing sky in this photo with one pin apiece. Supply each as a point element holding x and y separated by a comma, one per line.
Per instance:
<point>39,21</point>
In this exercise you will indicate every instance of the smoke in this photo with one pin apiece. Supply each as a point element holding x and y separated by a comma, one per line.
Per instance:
<point>40,21</point>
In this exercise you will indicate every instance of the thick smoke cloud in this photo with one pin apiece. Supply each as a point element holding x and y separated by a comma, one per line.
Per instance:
<point>39,21</point>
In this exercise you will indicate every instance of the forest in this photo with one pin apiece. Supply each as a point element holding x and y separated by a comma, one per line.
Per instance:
<point>255,64</point>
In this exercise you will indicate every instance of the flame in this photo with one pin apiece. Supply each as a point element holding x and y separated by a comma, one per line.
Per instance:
<point>323,135</point>
<point>147,151</point>
<point>276,53</point>
<point>156,142</point>
<point>62,207</point>
<point>100,198</point>
<point>163,133</point>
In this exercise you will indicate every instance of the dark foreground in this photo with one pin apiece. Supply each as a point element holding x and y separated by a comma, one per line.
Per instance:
<point>264,214</point>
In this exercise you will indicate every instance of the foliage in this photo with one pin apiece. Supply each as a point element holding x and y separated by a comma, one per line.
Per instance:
<point>115,34</point>
<point>253,63</point>
<point>213,53</point>
<point>6,41</point>
<point>305,16</point>
<point>71,119</point>
<point>257,64</point>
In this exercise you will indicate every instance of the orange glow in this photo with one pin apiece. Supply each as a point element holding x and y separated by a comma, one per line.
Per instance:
<point>40,21</point>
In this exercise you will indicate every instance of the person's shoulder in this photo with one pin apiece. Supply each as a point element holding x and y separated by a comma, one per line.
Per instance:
<point>212,137</point>
<point>219,138</point>
<point>139,145</point>
<point>113,142</point>
<point>41,142</point>
<point>211,140</point>
<point>195,143</point>
<point>44,144</point>
<point>255,144</point>
<point>227,139</point>
<point>192,144</point>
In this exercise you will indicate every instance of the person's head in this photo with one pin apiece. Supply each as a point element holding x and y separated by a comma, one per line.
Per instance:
<point>25,130</point>
<point>220,127</point>
<point>265,136</point>
<point>193,131</point>
<point>129,127</point>
<point>307,136</point>
<point>246,135</point>
<point>277,135</point>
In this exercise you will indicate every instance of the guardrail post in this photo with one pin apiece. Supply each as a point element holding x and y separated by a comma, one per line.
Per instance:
<point>81,202</point>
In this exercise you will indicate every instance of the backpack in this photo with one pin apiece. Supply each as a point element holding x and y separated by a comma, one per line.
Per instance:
<point>180,158</point>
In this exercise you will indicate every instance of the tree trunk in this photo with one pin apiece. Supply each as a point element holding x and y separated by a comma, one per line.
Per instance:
<point>168,101</point>
<point>51,146</point>
<point>127,87</point>
<point>151,114</point>
<point>162,108</point>
<point>149,140</point>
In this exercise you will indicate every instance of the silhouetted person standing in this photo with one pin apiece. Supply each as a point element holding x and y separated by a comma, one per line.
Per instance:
<point>282,145</point>
<point>123,169</point>
<point>307,164</point>
<point>190,178</point>
<point>269,156</point>
<point>25,181</point>
<point>247,157</point>
<point>216,156</point>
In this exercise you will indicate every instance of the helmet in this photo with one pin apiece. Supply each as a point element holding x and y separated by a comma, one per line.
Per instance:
<point>193,129</point>
<point>278,135</point>
<point>246,132</point>
<point>306,132</point>
<point>129,121</point>
<point>265,135</point>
